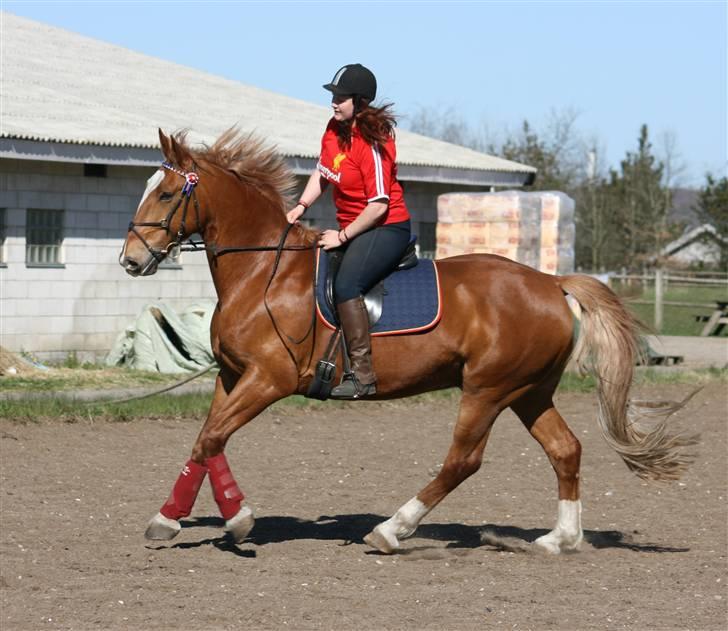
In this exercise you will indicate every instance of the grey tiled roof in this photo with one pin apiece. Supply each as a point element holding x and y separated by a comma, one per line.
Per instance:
<point>58,86</point>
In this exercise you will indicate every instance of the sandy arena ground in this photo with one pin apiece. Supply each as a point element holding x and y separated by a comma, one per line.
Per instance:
<point>76,499</point>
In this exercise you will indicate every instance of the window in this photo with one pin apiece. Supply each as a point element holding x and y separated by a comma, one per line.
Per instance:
<point>43,237</point>
<point>94,170</point>
<point>426,240</point>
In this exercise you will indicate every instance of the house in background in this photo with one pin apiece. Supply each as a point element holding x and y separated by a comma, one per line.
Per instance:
<point>78,140</point>
<point>697,247</point>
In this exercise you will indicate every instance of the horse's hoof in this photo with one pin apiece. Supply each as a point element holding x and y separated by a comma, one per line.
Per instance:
<point>240,525</point>
<point>547,545</point>
<point>162,528</point>
<point>555,542</point>
<point>379,541</point>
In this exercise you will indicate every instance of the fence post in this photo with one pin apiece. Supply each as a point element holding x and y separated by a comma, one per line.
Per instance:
<point>658,299</point>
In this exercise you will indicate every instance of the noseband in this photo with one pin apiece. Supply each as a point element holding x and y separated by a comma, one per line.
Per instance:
<point>187,192</point>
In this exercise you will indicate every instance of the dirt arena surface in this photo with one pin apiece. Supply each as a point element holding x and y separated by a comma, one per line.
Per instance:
<point>76,499</point>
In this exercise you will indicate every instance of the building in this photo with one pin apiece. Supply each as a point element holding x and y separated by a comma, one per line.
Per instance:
<point>78,140</point>
<point>699,247</point>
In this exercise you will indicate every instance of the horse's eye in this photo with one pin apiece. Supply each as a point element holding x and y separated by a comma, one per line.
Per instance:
<point>165,197</point>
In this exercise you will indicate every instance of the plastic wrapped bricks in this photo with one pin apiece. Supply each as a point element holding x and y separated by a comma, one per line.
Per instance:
<point>536,229</point>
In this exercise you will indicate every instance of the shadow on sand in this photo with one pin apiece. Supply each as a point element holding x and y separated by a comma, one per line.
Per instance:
<point>348,529</point>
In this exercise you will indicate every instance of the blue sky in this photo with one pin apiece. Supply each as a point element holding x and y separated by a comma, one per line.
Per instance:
<point>617,64</point>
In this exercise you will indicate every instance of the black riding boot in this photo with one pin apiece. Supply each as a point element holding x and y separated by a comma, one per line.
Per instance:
<point>355,325</point>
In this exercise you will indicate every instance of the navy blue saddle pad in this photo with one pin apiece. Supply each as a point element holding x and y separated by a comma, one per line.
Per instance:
<point>411,300</point>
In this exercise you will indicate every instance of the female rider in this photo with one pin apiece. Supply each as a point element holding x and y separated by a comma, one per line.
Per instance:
<point>358,158</point>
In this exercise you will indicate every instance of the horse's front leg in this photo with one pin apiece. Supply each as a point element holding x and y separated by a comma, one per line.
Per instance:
<point>232,407</point>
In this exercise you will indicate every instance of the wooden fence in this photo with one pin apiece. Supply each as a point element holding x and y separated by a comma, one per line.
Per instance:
<point>662,279</point>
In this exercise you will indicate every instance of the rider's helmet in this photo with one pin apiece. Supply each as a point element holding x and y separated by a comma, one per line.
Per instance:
<point>354,80</point>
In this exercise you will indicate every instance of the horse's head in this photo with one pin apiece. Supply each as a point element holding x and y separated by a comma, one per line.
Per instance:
<point>168,212</point>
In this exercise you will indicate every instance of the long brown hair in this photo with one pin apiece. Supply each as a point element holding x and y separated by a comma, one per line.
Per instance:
<point>375,124</point>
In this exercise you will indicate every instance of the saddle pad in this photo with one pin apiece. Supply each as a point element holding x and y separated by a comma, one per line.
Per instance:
<point>411,302</point>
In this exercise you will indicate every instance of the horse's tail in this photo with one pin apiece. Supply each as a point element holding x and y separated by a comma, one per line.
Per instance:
<point>608,347</point>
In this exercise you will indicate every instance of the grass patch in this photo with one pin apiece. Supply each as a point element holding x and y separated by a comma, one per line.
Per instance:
<point>34,409</point>
<point>189,406</point>
<point>573,382</point>
<point>676,320</point>
<point>87,378</point>
<point>184,406</point>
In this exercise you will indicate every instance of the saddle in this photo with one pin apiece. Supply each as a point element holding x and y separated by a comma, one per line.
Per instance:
<point>405,302</point>
<point>375,297</point>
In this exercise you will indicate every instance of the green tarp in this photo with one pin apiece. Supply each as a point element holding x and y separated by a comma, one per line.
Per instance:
<point>161,340</point>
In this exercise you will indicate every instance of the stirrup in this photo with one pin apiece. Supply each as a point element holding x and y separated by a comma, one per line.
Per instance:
<point>351,388</point>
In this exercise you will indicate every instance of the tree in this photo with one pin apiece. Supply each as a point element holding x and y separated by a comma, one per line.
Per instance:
<point>643,202</point>
<point>712,208</point>
<point>446,125</point>
<point>528,148</point>
<point>552,152</point>
<point>598,244</point>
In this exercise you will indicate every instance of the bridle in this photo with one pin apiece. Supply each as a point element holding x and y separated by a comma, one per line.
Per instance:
<point>174,247</point>
<point>178,245</point>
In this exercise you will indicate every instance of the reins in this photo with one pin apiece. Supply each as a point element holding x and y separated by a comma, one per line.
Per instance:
<point>179,245</point>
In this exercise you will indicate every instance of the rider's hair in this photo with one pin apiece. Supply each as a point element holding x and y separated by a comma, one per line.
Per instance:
<point>375,124</point>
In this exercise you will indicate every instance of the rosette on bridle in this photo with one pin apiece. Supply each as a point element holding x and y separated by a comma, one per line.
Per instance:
<point>191,180</point>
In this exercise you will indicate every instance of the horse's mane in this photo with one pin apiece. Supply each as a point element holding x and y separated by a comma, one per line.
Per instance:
<point>253,161</point>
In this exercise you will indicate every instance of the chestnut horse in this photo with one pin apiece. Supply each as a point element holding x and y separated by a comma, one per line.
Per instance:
<point>504,338</point>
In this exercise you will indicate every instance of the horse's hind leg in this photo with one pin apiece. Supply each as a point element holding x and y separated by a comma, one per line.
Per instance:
<point>537,412</point>
<point>464,458</point>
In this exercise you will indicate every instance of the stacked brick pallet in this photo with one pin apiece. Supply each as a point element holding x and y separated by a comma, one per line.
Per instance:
<point>536,229</point>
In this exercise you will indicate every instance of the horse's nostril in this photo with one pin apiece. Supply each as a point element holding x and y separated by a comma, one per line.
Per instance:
<point>131,266</point>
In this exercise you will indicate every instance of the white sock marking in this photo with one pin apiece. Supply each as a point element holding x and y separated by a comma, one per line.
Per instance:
<point>568,534</point>
<point>404,522</point>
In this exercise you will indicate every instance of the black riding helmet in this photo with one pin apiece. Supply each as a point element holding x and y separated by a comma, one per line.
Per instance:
<point>354,80</point>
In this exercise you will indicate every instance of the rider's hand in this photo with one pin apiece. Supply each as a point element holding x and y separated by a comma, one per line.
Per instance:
<point>329,239</point>
<point>295,213</point>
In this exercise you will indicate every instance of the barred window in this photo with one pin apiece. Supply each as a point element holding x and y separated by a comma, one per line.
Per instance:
<point>43,237</point>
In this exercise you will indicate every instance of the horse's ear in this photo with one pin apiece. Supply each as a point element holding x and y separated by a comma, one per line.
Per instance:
<point>164,141</point>
<point>179,154</point>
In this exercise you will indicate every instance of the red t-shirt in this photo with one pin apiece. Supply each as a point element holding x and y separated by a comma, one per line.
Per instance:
<point>361,174</point>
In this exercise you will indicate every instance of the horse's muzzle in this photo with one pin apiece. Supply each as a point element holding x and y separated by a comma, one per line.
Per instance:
<point>134,268</point>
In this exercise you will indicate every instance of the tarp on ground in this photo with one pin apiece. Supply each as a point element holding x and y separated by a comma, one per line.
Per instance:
<point>161,340</point>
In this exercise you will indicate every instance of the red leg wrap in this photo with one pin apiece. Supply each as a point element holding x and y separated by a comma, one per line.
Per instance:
<point>185,491</point>
<point>227,494</point>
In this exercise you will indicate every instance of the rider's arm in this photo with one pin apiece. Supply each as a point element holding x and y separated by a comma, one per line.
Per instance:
<point>314,187</point>
<point>368,218</point>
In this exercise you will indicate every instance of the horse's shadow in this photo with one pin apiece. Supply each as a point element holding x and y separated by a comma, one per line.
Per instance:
<point>351,528</point>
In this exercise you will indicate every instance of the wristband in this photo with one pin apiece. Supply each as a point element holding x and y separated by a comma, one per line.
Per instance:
<point>343,231</point>
<point>302,203</point>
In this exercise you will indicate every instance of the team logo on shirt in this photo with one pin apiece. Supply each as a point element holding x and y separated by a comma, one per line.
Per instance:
<point>328,173</point>
<point>338,160</point>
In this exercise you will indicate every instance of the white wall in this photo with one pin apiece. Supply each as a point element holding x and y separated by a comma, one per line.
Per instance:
<point>84,304</point>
